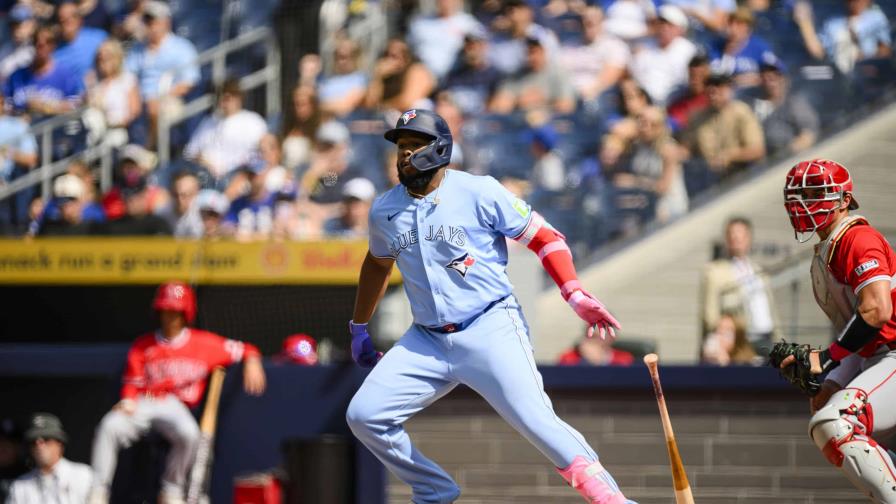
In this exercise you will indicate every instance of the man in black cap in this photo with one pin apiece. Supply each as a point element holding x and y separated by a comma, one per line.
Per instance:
<point>54,478</point>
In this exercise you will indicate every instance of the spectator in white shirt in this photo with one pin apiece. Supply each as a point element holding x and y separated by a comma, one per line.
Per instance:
<point>112,89</point>
<point>438,38</point>
<point>228,138</point>
<point>599,63</point>
<point>660,65</point>
<point>54,478</point>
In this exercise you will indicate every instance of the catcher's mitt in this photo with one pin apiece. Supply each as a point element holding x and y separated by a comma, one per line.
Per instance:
<point>799,373</point>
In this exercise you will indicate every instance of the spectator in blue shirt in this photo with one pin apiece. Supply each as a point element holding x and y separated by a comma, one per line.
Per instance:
<point>18,51</point>
<point>508,52</point>
<point>165,65</point>
<point>710,14</point>
<point>78,44</point>
<point>18,155</point>
<point>46,87</point>
<point>17,145</point>
<point>437,38</point>
<point>863,33</point>
<point>342,90</point>
<point>742,53</point>
<point>252,214</point>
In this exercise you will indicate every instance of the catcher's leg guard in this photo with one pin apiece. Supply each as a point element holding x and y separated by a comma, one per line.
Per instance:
<point>842,429</point>
<point>593,482</point>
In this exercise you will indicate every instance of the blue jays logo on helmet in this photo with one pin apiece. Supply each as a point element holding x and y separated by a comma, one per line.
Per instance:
<point>425,122</point>
<point>462,264</point>
<point>407,116</point>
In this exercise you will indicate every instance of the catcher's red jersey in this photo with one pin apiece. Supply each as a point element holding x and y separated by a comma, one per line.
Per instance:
<point>860,257</point>
<point>179,366</point>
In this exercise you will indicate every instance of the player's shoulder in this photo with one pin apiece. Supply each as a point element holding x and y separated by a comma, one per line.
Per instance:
<point>203,335</point>
<point>145,340</point>
<point>862,234</point>
<point>474,184</point>
<point>386,200</point>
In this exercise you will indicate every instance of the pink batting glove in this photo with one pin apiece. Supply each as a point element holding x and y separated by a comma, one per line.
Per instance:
<point>592,311</point>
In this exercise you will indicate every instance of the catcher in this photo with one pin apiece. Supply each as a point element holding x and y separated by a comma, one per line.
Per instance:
<point>851,384</point>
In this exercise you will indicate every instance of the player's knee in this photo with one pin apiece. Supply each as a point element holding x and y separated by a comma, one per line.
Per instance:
<point>359,415</point>
<point>845,415</point>
<point>113,424</point>
<point>185,434</point>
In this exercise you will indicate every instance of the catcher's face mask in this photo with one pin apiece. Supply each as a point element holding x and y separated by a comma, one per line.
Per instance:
<point>812,192</point>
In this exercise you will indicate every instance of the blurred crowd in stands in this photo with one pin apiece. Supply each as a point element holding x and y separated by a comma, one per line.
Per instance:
<point>605,114</point>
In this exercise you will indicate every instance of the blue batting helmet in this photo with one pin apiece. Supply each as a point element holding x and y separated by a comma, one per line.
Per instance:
<point>438,152</point>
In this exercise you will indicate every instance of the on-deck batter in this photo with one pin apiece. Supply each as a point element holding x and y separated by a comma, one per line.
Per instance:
<point>447,232</point>
<point>165,376</point>
<point>853,280</point>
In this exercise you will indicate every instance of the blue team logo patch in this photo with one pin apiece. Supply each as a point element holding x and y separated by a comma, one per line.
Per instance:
<point>462,264</point>
<point>407,116</point>
<point>867,266</point>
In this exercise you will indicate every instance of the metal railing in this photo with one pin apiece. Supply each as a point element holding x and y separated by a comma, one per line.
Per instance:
<point>791,285</point>
<point>46,131</point>
<point>269,76</point>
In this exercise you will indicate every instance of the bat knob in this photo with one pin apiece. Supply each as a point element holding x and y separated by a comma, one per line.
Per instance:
<point>651,359</point>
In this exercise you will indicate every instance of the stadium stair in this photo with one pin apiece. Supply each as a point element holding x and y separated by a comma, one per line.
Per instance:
<point>652,284</point>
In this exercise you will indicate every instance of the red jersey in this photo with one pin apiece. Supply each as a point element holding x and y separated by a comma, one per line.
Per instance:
<point>179,366</point>
<point>856,255</point>
<point>617,358</point>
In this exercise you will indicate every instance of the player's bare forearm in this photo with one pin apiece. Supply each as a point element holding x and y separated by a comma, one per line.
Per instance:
<point>372,282</point>
<point>254,379</point>
<point>875,304</point>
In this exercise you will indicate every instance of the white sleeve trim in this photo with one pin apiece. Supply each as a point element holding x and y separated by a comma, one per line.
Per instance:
<point>873,279</point>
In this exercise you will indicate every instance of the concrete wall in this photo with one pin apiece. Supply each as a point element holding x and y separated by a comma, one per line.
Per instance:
<point>738,447</point>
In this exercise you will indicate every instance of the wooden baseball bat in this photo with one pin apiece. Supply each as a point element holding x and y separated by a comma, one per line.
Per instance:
<point>207,426</point>
<point>679,476</point>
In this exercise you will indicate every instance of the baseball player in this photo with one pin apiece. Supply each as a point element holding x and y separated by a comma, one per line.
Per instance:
<point>165,377</point>
<point>853,279</point>
<point>447,232</point>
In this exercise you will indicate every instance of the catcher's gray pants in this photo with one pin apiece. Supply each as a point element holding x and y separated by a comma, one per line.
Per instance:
<point>169,417</point>
<point>853,421</point>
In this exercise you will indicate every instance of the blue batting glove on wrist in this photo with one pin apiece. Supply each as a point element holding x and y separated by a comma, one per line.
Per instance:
<point>363,352</point>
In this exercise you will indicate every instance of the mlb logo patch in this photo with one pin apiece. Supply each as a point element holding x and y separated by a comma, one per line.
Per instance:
<point>865,266</point>
<point>407,116</point>
<point>462,264</point>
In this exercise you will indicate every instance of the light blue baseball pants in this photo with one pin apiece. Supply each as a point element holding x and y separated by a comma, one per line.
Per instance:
<point>493,356</point>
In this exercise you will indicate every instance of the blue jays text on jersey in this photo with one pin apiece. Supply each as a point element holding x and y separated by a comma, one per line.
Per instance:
<point>454,234</point>
<point>452,254</point>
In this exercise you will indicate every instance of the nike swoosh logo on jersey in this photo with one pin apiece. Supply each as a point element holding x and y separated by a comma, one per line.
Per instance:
<point>390,217</point>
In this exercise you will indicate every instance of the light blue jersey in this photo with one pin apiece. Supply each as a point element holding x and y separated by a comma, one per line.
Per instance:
<point>451,249</point>
<point>451,245</point>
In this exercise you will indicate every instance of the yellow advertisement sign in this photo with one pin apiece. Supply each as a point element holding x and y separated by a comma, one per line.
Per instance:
<point>154,260</point>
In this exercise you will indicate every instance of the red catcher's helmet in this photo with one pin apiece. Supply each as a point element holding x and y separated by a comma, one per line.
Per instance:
<point>813,191</point>
<point>176,296</point>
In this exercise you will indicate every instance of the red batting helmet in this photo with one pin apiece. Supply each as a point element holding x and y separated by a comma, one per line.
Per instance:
<point>813,191</point>
<point>300,349</point>
<point>176,296</point>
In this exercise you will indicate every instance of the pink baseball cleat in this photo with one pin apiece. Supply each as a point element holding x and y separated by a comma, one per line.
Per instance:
<point>593,482</point>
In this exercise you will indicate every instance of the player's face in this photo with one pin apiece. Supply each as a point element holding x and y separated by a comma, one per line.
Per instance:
<point>738,240</point>
<point>410,177</point>
<point>171,321</point>
<point>46,452</point>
